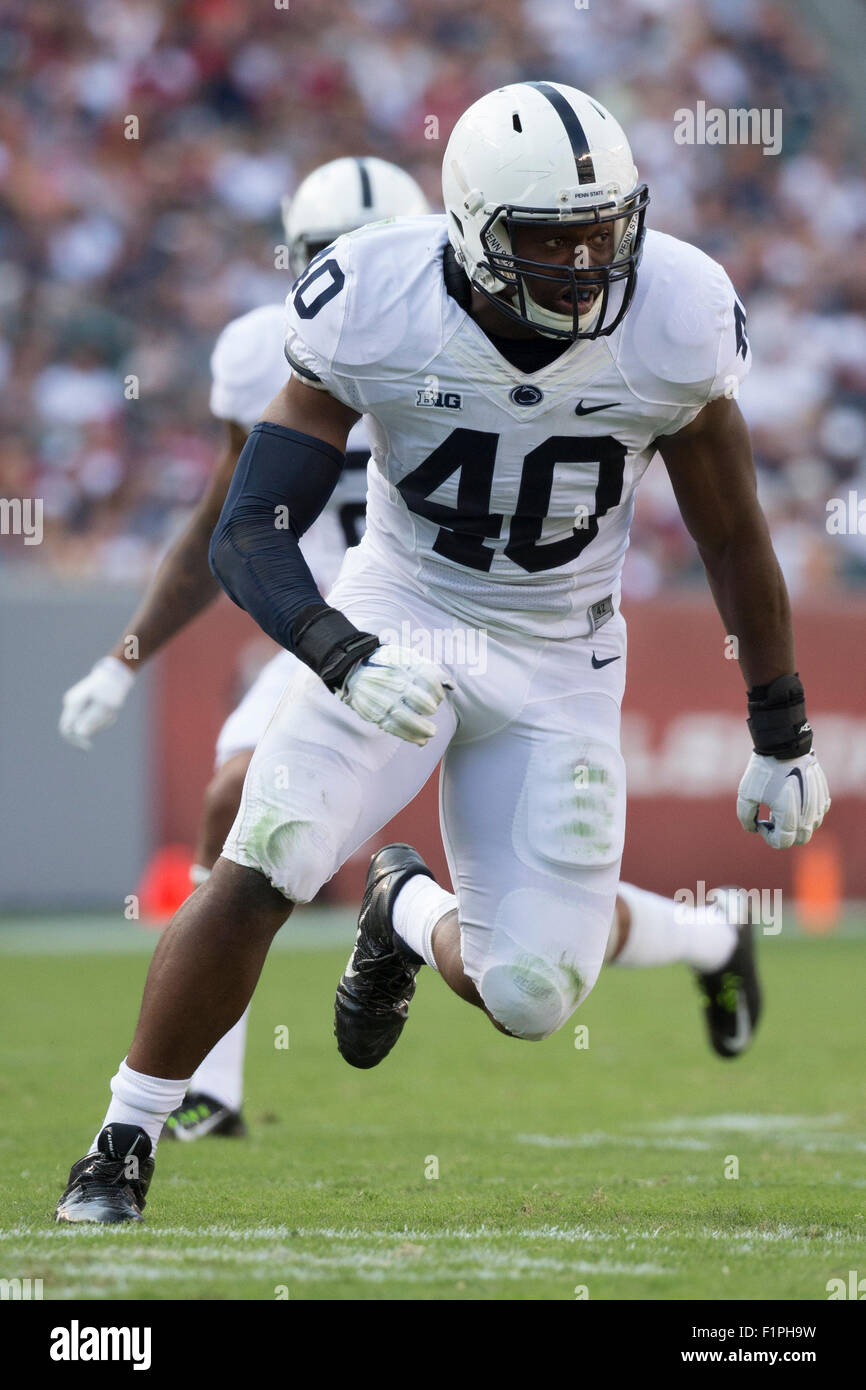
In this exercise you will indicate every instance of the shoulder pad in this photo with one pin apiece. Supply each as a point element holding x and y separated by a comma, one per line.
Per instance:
<point>368,294</point>
<point>247,364</point>
<point>685,331</point>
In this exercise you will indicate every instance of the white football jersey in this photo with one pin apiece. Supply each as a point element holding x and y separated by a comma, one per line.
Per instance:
<point>248,368</point>
<point>508,494</point>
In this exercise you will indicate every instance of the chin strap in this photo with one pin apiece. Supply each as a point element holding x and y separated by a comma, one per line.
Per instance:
<point>546,317</point>
<point>456,280</point>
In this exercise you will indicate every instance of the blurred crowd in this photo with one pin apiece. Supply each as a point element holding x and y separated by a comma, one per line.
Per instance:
<point>127,244</point>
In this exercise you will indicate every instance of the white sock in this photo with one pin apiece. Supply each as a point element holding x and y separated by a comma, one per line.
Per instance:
<point>420,904</point>
<point>221,1074</point>
<point>198,874</point>
<point>663,931</point>
<point>146,1101</point>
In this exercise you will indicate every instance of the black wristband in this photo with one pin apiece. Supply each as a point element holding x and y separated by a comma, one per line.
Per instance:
<point>325,640</point>
<point>777,718</point>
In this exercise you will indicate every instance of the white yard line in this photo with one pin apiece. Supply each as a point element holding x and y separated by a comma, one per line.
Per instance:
<point>810,1133</point>
<point>286,1238</point>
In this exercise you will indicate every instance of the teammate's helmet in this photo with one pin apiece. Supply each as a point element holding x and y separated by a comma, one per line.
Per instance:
<point>342,196</point>
<point>543,152</point>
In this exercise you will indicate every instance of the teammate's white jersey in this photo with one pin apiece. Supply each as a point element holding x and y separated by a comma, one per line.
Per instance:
<point>508,494</point>
<point>249,368</point>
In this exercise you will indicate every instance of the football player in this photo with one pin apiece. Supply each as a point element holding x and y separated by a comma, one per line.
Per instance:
<point>517,374</point>
<point>248,368</point>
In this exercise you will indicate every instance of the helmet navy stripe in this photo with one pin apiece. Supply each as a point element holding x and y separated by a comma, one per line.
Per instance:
<point>573,129</point>
<point>366,186</point>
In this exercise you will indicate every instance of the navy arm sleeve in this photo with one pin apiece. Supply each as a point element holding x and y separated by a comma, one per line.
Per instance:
<point>282,482</point>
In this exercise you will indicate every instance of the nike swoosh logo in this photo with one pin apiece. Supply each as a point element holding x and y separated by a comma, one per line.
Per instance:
<point>607,660</point>
<point>795,772</point>
<point>350,972</point>
<point>200,1130</point>
<point>744,1029</point>
<point>581,409</point>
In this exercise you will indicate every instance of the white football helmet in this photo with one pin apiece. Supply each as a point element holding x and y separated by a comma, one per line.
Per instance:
<point>543,152</point>
<point>342,196</point>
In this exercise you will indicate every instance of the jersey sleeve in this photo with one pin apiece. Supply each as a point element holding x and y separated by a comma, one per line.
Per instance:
<point>317,315</point>
<point>735,355</point>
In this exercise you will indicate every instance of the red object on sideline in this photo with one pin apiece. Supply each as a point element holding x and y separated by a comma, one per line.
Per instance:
<point>165,883</point>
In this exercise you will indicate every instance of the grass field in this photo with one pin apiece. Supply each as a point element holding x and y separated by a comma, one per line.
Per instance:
<point>558,1167</point>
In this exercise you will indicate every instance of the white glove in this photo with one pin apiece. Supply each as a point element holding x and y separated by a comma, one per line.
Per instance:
<point>796,792</point>
<point>398,691</point>
<point>95,702</point>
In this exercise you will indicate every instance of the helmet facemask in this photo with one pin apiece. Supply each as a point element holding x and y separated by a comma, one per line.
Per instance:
<point>501,267</point>
<point>304,249</point>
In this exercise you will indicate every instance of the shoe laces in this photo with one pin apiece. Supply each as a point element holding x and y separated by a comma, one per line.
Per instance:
<point>387,979</point>
<point>111,1172</point>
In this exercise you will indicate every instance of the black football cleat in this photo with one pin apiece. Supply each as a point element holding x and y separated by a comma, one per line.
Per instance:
<point>199,1116</point>
<point>110,1184</point>
<point>732,994</point>
<point>377,986</point>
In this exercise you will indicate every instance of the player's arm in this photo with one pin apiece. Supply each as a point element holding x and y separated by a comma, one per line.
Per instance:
<point>710,466</point>
<point>713,476</point>
<point>285,476</point>
<point>182,587</point>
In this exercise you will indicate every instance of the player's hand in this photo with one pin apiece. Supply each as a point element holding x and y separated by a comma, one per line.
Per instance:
<point>95,702</point>
<point>398,691</point>
<point>796,793</point>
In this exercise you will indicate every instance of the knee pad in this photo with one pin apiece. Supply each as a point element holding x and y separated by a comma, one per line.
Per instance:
<point>525,996</point>
<point>299,806</point>
<point>296,856</point>
<point>532,994</point>
<point>571,811</point>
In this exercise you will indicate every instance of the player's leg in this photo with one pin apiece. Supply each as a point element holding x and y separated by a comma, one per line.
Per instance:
<point>650,929</point>
<point>235,743</point>
<point>533,822</point>
<point>204,970</point>
<point>200,980</point>
<point>426,919</point>
<point>212,1104</point>
<point>221,800</point>
<point>716,940</point>
<point>320,783</point>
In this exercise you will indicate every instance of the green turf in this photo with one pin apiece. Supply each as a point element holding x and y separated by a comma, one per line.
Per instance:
<point>559,1167</point>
